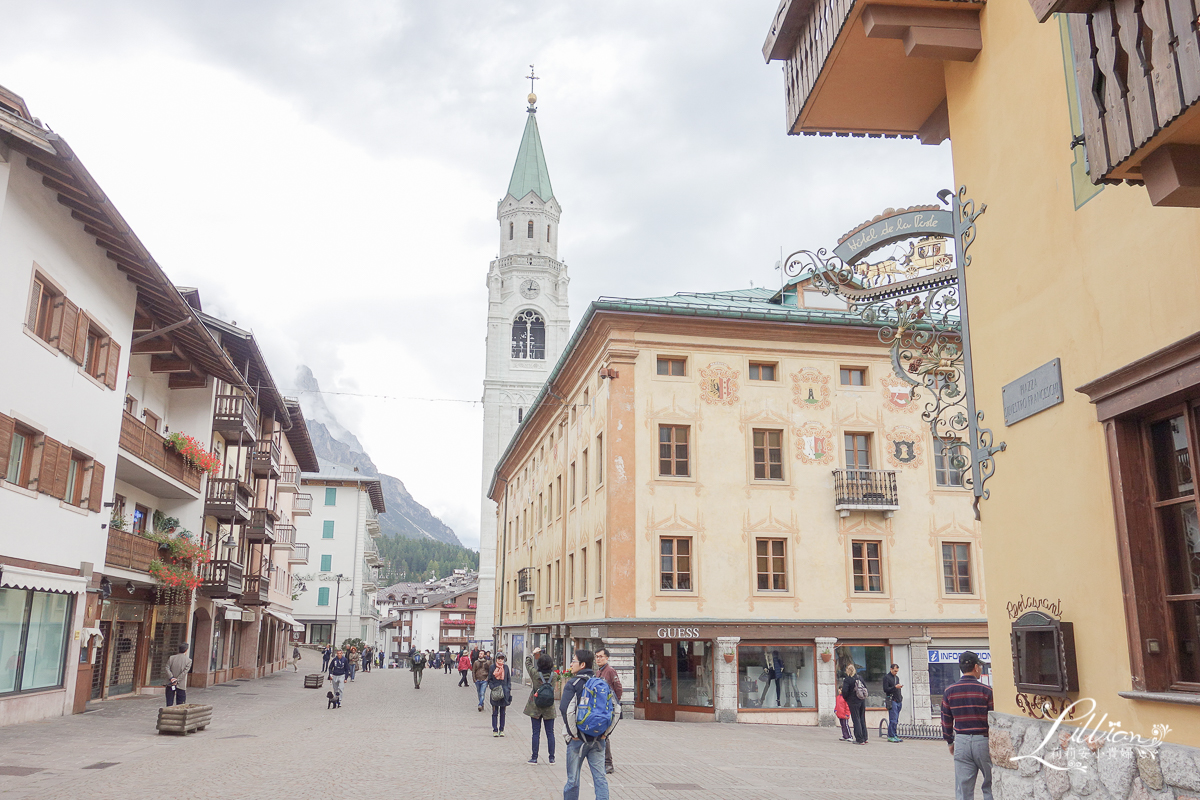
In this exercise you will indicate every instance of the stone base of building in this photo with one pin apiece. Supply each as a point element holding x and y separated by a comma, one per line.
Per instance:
<point>1112,770</point>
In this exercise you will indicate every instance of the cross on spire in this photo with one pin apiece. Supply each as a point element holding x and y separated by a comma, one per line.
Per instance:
<point>531,78</point>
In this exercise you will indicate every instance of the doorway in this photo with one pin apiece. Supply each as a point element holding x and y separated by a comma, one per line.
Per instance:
<point>674,676</point>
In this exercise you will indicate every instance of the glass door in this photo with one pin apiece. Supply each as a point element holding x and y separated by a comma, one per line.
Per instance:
<point>658,680</point>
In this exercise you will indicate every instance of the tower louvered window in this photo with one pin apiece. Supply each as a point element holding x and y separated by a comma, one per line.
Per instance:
<point>510,231</point>
<point>529,336</point>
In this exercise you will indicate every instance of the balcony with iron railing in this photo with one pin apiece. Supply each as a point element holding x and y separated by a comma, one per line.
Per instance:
<point>227,499</point>
<point>299,554</point>
<point>222,578</point>
<point>302,505</point>
<point>129,551</point>
<point>865,490</point>
<point>235,417</point>
<point>525,583</point>
<point>285,536</point>
<point>153,450</point>
<point>289,478</point>
<point>267,456</point>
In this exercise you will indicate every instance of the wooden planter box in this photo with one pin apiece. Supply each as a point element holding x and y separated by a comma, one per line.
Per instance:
<point>314,681</point>
<point>184,719</point>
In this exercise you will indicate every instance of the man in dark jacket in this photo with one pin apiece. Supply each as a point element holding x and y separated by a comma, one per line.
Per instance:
<point>325,655</point>
<point>894,699</point>
<point>417,665</point>
<point>581,747</point>
<point>481,668</point>
<point>339,667</point>
<point>604,670</point>
<point>965,707</point>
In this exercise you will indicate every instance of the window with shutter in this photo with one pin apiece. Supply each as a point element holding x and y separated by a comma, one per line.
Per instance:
<point>96,490</point>
<point>35,304</point>
<point>44,313</point>
<point>112,363</point>
<point>64,487</point>
<point>21,456</point>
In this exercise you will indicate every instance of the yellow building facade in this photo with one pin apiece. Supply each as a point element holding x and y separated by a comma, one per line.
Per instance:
<point>1091,521</point>
<point>734,494</point>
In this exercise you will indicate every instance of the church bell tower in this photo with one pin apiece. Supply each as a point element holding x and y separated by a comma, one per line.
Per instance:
<point>528,327</point>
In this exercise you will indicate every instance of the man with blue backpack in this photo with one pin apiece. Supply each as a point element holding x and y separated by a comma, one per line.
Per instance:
<point>590,713</point>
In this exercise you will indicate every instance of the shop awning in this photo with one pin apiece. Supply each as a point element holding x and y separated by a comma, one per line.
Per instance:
<point>285,618</point>
<point>21,578</point>
<point>231,611</point>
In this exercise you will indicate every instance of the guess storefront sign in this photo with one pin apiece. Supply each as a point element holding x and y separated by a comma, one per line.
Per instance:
<point>678,633</point>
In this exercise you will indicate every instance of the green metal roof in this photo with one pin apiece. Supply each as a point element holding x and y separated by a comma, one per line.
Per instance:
<point>530,173</point>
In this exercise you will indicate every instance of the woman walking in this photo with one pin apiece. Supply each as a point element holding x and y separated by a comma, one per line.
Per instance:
<point>500,692</point>
<point>852,687</point>
<point>354,659</point>
<point>540,705</point>
<point>464,666</point>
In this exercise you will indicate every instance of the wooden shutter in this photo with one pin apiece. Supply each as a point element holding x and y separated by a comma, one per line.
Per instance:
<point>56,320</point>
<point>68,327</point>
<point>96,493</point>
<point>35,302</point>
<point>61,473</point>
<point>7,425</point>
<point>81,336</point>
<point>51,451</point>
<point>113,364</point>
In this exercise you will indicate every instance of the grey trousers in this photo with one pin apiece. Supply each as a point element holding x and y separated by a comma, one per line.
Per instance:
<point>971,756</point>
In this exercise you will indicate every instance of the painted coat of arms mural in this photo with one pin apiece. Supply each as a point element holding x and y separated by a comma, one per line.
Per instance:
<point>814,444</point>
<point>810,389</point>
<point>897,394</point>
<point>904,449</point>
<point>719,384</point>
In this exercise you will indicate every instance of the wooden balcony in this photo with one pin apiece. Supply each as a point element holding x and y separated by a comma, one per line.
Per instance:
<point>267,456</point>
<point>525,583</point>
<point>289,478</point>
<point>843,72</point>
<point>143,443</point>
<point>285,536</point>
<point>221,578</point>
<point>302,506</point>
<point>256,590</point>
<point>129,550</point>
<point>1138,71</point>
<point>236,417</point>
<point>299,554</point>
<point>261,528</point>
<point>865,490</point>
<point>228,499</point>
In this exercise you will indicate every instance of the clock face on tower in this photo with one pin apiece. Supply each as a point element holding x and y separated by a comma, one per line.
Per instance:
<point>530,289</point>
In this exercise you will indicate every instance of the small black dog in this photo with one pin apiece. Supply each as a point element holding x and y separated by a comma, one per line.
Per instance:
<point>332,702</point>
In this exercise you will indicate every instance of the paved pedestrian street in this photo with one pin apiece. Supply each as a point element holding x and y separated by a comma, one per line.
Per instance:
<point>272,738</point>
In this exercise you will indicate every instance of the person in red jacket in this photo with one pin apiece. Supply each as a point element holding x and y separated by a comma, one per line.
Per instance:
<point>605,671</point>
<point>464,666</point>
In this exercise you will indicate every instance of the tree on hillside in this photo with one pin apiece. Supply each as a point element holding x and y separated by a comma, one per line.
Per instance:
<point>422,559</point>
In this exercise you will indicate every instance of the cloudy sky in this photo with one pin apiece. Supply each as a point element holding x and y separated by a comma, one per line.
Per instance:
<point>328,174</point>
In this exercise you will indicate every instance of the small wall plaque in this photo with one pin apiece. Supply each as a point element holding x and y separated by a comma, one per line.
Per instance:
<point>1033,392</point>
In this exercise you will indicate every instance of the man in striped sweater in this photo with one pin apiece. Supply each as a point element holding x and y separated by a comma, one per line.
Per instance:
<point>965,707</point>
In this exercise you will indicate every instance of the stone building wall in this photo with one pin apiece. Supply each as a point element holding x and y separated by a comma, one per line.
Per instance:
<point>1099,770</point>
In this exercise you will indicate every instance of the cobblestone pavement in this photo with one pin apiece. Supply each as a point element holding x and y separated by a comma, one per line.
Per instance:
<point>272,738</point>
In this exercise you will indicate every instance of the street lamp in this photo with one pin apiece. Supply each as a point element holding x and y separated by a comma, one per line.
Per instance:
<point>337,599</point>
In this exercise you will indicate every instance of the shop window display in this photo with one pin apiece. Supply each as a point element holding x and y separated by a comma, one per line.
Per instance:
<point>772,676</point>
<point>694,675</point>
<point>872,664</point>
<point>33,641</point>
<point>942,675</point>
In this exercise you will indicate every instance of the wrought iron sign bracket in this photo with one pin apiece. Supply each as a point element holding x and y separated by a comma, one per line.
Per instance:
<point>919,303</point>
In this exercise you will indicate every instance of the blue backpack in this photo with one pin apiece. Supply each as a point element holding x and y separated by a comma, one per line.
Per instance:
<point>595,708</point>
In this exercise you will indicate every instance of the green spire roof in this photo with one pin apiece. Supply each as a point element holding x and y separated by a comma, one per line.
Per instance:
<point>530,173</point>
